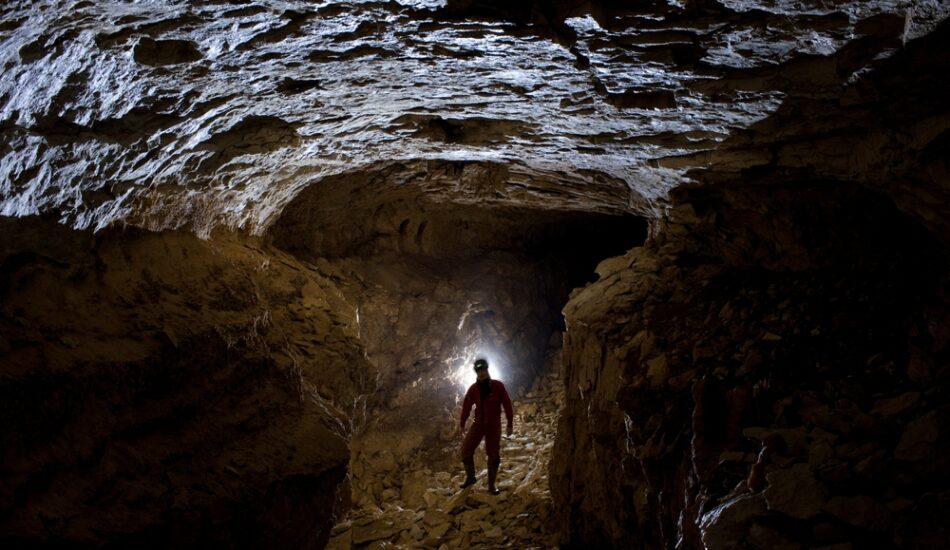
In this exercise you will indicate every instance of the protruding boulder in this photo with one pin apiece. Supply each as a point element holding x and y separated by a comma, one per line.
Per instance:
<point>795,492</point>
<point>861,511</point>
<point>727,525</point>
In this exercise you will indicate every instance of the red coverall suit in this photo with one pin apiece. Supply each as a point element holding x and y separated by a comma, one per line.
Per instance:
<point>487,422</point>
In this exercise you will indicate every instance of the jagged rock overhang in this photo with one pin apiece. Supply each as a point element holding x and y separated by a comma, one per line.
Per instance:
<point>173,116</point>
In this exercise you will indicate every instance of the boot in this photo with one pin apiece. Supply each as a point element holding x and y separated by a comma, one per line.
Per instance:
<point>469,463</point>
<point>492,474</point>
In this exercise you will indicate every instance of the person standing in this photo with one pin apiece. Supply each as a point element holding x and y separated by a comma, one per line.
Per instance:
<point>488,397</point>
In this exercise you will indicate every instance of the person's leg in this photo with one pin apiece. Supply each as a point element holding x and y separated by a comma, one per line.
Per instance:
<point>467,453</point>
<point>493,450</point>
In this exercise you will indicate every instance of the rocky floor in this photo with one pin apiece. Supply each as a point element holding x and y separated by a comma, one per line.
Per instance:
<point>471,518</point>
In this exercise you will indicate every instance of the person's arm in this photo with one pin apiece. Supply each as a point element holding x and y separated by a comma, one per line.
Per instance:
<point>466,408</point>
<point>506,402</point>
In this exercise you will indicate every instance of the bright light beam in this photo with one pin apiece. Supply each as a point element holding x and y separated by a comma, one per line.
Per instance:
<point>464,376</point>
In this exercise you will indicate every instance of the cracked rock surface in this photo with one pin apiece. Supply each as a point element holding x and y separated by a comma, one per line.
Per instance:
<point>174,114</point>
<point>246,246</point>
<point>164,391</point>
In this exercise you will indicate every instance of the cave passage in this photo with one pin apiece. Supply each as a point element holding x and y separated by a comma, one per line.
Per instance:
<point>249,251</point>
<point>439,281</point>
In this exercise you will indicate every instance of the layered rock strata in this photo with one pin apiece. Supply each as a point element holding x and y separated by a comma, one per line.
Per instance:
<point>173,114</point>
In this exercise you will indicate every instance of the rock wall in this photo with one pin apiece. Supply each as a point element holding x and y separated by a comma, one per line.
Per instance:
<point>783,326</point>
<point>163,391</point>
<point>171,114</point>
<point>770,370</point>
<point>706,391</point>
<point>445,261</point>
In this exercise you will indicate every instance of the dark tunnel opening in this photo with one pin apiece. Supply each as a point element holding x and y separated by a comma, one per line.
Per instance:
<point>579,242</point>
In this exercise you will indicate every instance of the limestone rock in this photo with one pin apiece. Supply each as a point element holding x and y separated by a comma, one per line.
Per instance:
<point>373,530</point>
<point>165,52</point>
<point>860,511</point>
<point>182,412</point>
<point>919,439</point>
<point>384,188</point>
<point>726,525</point>
<point>435,517</point>
<point>795,492</point>
<point>439,530</point>
<point>896,405</point>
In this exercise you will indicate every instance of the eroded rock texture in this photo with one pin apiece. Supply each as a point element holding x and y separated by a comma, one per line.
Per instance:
<point>249,247</point>
<point>445,260</point>
<point>431,511</point>
<point>175,114</point>
<point>162,391</point>
<point>740,375</point>
<point>775,355</point>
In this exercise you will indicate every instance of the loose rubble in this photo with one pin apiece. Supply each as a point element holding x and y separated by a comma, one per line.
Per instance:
<point>471,518</point>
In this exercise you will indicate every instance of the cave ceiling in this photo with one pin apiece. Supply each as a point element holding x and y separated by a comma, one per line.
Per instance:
<point>203,114</point>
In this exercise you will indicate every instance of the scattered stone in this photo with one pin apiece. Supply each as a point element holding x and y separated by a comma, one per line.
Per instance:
<point>716,69</point>
<point>794,491</point>
<point>861,511</point>
<point>342,541</point>
<point>896,405</point>
<point>436,517</point>
<point>726,525</point>
<point>372,530</point>
<point>494,533</point>
<point>765,538</point>
<point>919,439</point>
<point>470,517</point>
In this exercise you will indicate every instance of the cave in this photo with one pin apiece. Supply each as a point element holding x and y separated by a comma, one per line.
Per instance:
<point>249,252</point>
